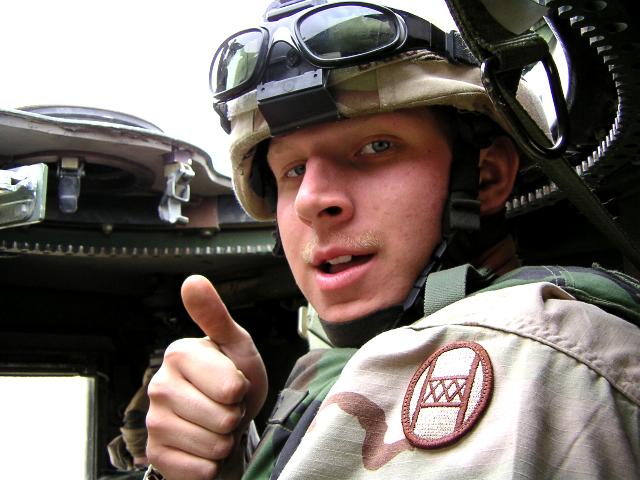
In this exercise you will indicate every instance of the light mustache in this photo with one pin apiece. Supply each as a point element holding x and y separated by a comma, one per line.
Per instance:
<point>364,241</point>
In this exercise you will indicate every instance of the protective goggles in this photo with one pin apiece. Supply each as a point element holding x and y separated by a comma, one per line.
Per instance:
<point>328,36</point>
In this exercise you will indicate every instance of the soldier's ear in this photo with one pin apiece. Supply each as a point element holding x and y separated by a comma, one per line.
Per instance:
<point>498,169</point>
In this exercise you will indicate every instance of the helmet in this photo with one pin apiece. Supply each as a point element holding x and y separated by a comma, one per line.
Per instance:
<point>405,78</point>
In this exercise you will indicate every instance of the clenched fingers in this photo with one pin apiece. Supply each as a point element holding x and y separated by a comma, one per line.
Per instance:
<point>178,465</point>
<point>176,396</point>
<point>175,433</point>
<point>200,362</point>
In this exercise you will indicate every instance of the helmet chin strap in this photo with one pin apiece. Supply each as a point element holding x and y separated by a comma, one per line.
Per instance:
<point>434,264</point>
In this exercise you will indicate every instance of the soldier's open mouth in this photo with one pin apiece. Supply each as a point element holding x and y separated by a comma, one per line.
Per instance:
<point>344,262</point>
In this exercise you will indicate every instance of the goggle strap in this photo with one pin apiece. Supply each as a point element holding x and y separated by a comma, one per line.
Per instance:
<point>222,110</point>
<point>451,44</point>
<point>261,179</point>
<point>457,49</point>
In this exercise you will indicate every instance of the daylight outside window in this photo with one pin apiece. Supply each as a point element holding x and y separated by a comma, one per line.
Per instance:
<point>47,427</point>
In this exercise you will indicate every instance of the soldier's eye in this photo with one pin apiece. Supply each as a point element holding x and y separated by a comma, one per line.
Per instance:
<point>377,146</point>
<point>296,171</point>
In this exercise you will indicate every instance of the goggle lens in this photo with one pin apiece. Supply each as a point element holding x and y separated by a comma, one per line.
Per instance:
<point>346,31</point>
<point>236,60</point>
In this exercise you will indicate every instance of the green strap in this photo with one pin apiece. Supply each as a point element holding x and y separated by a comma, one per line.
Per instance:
<point>448,286</point>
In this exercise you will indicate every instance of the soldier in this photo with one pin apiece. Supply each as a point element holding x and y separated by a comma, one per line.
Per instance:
<point>387,168</point>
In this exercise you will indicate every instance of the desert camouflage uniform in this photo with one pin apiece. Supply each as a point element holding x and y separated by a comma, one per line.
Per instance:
<point>310,380</point>
<point>563,401</point>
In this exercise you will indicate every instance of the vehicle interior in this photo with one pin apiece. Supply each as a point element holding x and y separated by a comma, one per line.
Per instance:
<point>95,244</point>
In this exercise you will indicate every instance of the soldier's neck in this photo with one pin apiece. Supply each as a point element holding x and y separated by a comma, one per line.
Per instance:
<point>501,258</point>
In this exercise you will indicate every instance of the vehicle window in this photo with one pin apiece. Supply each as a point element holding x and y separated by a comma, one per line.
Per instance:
<point>46,422</point>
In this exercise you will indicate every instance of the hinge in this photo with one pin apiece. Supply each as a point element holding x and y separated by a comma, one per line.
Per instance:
<point>178,173</point>
<point>23,195</point>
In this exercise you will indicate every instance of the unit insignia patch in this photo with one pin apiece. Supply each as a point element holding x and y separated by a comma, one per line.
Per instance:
<point>447,395</point>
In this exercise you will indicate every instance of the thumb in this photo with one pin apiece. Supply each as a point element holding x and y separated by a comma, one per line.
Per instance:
<point>206,308</point>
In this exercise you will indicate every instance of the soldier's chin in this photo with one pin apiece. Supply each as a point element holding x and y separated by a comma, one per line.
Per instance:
<point>348,313</point>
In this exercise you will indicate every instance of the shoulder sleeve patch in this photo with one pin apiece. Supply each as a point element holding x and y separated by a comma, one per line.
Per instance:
<point>447,395</point>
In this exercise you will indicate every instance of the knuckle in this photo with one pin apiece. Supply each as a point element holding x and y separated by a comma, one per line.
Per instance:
<point>193,471</point>
<point>154,423</point>
<point>156,456</point>
<point>242,332</point>
<point>222,448</point>
<point>228,421</point>
<point>153,457</point>
<point>178,349</point>
<point>205,471</point>
<point>232,388</point>
<point>158,390</point>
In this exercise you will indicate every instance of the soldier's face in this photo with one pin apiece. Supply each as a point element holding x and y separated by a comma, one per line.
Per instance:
<point>359,207</point>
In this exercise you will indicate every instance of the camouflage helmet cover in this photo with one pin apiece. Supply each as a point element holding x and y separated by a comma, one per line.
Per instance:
<point>407,80</point>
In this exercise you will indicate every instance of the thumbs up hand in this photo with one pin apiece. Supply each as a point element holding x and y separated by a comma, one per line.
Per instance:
<point>206,392</point>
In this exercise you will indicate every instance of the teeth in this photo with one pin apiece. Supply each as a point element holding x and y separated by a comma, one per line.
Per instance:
<point>339,260</point>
